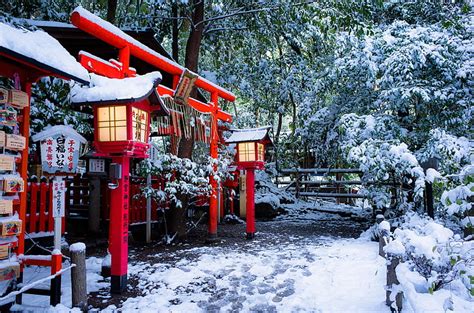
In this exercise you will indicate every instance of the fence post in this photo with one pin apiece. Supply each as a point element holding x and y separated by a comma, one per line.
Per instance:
<point>392,263</point>
<point>392,280</point>
<point>78,276</point>
<point>297,184</point>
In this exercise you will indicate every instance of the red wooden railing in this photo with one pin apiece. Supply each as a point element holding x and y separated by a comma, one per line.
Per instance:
<point>39,217</point>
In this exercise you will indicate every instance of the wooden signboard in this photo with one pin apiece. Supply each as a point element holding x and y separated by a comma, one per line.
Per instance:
<point>7,162</point>
<point>3,95</point>
<point>19,99</point>
<point>8,117</point>
<point>13,184</point>
<point>10,227</point>
<point>4,251</point>
<point>15,142</point>
<point>6,206</point>
<point>185,86</point>
<point>10,271</point>
<point>2,138</point>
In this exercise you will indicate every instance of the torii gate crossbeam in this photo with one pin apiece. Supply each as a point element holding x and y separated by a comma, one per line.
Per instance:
<point>128,46</point>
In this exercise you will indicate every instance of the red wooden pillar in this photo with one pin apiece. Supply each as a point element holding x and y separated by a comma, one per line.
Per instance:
<point>213,209</point>
<point>119,215</point>
<point>250,204</point>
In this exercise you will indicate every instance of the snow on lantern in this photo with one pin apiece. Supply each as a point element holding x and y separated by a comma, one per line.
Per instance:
<point>250,144</point>
<point>122,111</point>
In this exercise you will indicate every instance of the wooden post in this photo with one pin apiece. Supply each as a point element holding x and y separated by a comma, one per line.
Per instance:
<point>297,184</point>
<point>94,205</point>
<point>392,280</point>
<point>78,276</point>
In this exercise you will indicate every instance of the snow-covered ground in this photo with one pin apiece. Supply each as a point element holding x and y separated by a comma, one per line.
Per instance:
<point>298,274</point>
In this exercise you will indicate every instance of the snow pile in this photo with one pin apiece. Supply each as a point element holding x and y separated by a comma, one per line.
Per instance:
<point>42,47</point>
<point>106,89</point>
<point>77,247</point>
<point>438,265</point>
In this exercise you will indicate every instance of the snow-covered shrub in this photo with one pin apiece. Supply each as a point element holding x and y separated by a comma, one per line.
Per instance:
<point>387,162</point>
<point>435,261</point>
<point>182,177</point>
<point>451,151</point>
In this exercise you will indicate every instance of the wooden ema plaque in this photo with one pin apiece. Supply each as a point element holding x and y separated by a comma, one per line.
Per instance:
<point>13,184</point>
<point>4,251</point>
<point>10,227</point>
<point>3,95</point>
<point>7,163</point>
<point>9,272</point>
<point>6,206</point>
<point>15,142</point>
<point>2,139</point>
<point>19,99</point>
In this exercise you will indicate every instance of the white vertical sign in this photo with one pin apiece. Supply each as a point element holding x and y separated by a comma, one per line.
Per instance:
<point>59,197</point>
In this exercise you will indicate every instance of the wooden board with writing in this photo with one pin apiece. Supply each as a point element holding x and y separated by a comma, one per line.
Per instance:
<point>15,142</point>
<point>13,184</point>
<point>19,99</point>
<point>7,162</point>
<point>6,206</point>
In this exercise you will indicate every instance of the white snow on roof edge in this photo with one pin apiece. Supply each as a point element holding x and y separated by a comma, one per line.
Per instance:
<point>111,89</point>
<point>59,129</point>
<point>40,46</point>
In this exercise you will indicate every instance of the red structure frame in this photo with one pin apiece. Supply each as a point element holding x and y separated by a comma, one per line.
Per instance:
<point>28,71</point>
<point>128,46</point>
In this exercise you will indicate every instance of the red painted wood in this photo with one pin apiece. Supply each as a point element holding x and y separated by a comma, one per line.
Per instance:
<point>250,184</point>
<point>50,208</point>
<point>32,207</point>
<point>42,212</point>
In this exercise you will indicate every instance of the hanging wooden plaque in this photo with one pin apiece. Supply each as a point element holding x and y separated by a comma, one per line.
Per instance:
<point>8,117</point>
<point>7,163</point>
<point>4,249</point>
<point>13,184</point>
<point>2,139</point>
<point>19,99</point>
<point>3,95</point>
<point>6,206</point>
<point>15,142</point>
<point>10,271</point>
<point>10,227</point>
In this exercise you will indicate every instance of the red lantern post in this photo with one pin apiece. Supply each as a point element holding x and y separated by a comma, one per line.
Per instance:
<point>250,144</point>
<point>121,131</point>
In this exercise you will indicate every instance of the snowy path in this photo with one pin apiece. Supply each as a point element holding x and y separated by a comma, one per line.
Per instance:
<point>272,274</point>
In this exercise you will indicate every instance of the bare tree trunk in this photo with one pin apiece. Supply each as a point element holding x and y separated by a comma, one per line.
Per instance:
<point>191,62</point>
<point>177,217</point>
<point>111,10</point>
<point>175,33</point>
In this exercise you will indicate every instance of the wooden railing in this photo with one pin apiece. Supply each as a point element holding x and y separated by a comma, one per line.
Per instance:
<point>39,218</point>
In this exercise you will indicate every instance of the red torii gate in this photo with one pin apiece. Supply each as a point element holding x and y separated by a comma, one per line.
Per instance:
<point>128,46</point>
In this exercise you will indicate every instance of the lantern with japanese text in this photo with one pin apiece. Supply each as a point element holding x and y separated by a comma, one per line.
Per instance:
<point>122,111</point>
<point>250,145</point>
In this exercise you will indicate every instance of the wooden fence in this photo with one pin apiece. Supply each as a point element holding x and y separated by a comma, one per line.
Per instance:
<point>325,183</point>
<point>39,217</point>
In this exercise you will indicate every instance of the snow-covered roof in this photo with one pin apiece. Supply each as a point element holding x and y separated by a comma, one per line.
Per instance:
<point>117,32</point>
<point>249,134</point>
<point>65,130</point>
<point>112,89</point>
<point>42,48</point>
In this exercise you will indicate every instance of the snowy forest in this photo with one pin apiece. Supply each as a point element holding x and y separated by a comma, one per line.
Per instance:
<point>382,88</point>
